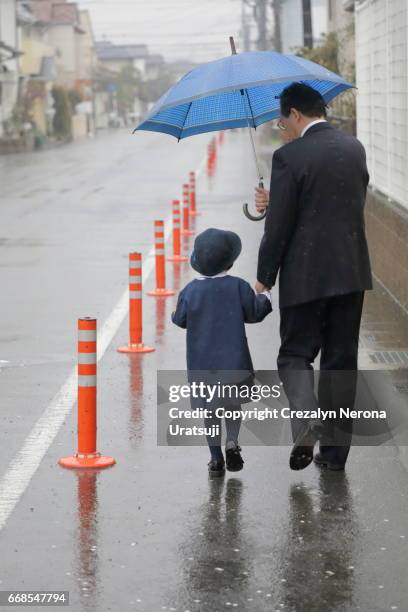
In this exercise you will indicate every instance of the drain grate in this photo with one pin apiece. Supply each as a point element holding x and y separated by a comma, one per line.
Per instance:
<point>402,387</point>
<point>389,357</point>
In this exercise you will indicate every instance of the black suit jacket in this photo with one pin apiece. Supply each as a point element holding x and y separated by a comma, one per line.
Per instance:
<point>314,228</point>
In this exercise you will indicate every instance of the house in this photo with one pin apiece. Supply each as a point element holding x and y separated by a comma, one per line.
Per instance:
<point>115,57</point>
<point>67,30</point>
<point>62,30</point>
<point>86,57</point>
<point>9,54</point>
<point>37,70</point>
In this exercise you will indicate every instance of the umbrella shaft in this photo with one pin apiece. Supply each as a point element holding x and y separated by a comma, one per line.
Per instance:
<point>254,150</point>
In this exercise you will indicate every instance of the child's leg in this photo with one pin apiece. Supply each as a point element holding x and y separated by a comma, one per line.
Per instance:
<point>214,443</point>
<point>233,426</point>
<point>234,460</point>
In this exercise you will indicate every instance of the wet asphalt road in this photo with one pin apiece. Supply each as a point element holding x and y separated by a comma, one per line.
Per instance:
<point>152,533</point>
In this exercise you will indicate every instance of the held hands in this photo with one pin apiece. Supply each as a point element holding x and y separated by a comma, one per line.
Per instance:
<point>260,288</point>
<point>261,199</point>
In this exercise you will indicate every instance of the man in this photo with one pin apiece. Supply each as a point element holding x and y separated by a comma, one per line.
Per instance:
<point>315,237</point>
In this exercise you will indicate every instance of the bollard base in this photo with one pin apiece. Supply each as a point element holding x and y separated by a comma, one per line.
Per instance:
<point>136,348</point>
<point>161,292</point>
<point>185,232</point>
<point>87,461</point>
<point>177,258</point>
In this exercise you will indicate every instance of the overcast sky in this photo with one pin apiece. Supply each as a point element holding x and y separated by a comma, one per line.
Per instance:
<point>189,29</point>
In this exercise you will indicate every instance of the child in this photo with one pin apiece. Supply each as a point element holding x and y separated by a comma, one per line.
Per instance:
<point>214,309</point>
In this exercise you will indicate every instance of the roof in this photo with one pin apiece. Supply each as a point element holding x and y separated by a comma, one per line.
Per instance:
<point>24,14</point>
<point>66,12</point>
<point>154,59</point>
<point>108,51</point>
<point>55,11</point>
<point>42,10</point>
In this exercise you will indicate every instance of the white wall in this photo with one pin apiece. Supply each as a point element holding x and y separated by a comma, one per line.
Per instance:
<point>382,99</point>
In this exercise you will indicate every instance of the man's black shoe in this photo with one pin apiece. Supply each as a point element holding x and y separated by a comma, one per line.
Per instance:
<point>235,462</point>
<point>302,451</point>
<point>216,468</point>
<point>321,461</point>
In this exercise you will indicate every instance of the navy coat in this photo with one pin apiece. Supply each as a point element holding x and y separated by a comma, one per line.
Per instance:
<point>214,312</point>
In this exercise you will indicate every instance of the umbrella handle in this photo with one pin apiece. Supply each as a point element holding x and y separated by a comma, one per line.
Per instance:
<point>246,209</point>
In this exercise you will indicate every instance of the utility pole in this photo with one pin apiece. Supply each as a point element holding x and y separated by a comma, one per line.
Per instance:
<point>307,24</point>
<point>245,28</point>
<point>259,8</point>
<point>277,37</point>
<point>261,21</point>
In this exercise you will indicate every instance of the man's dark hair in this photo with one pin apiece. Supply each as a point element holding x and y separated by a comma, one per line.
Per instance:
<point>305,99</point>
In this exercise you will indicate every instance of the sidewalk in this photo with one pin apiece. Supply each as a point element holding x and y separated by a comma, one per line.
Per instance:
<point>152,533</point>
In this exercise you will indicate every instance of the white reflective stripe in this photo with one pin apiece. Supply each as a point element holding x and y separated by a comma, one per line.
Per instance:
<point>135,263</point>
<point>87,335</point>
<point>86,358</point>
<point>159,251</point>
<point>185,204</point>
<point>135,280</point>
<point>159,240</point>
<point>176,225</point>
<point>135,295</point>
<point>87,380</point>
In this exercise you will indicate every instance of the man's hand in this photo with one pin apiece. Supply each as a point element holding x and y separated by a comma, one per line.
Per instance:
<point>261,199</point>
<point>260,288</point>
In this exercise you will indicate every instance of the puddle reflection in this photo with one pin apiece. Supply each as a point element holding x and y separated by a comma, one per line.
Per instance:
<point>87,566</point>
<point>318,556</point>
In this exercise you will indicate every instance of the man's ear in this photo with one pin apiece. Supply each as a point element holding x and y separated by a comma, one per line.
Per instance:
<point>295,113</point>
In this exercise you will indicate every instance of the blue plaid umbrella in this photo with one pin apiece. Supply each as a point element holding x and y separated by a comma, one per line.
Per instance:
<point>241,90</point>
<point>235,91</point>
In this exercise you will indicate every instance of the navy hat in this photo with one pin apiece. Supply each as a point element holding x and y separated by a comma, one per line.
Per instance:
<point>214,251</point>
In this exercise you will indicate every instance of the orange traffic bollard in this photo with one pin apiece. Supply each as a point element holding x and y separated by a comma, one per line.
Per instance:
<point>176,257</point>
<point>193,198</point>
<point>135,308</point>
<point>214,149</point>
<point>87,455</point>
<point>221,137</point>
<point>211,156</point>
<point>186,211</point>
<point>160,290</point>
<point>209,159</point>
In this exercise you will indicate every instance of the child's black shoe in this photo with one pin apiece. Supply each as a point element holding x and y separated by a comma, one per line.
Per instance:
<point>235,462</point>
<point>216,468</point>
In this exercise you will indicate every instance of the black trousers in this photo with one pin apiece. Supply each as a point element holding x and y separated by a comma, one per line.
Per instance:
<point>330,326</point>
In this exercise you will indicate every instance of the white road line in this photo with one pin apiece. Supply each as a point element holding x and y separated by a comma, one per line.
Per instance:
<point>26,462</point>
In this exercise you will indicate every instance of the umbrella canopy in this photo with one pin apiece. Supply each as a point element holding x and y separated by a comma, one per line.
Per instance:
<point>236,91</point>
